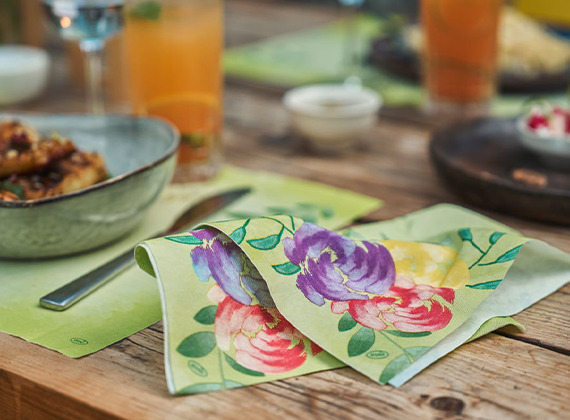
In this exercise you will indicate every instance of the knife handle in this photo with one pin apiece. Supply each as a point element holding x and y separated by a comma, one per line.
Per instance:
<point>71,293</point>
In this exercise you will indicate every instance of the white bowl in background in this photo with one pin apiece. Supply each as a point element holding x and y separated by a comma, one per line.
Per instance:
<point>23,73</point>
<point>332,117</point>
<point>553,151</point>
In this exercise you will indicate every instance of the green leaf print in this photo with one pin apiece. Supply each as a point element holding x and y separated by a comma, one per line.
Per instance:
<point>287,269</point>
<point>187,240</point>
<point>346,323</point>
<point>398,333</point>
<point>495,237</point>
<point>267,243</point>
<point>465,234</point>
<point>401,362</point>
<point>238,235</point>
<point>507,256</point>
<point>197,345</point>
<point>485,286</point>
<point>207,315</point>
<point>241,369</point>
<point>361,342</point>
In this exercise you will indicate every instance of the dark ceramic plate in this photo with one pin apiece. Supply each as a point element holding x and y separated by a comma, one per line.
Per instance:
<point>140,154</point>
<point>387,54</point>
<point>476,159</point>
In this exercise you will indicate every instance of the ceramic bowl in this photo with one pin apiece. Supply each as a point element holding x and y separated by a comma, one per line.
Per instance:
<point>23,73</point>
<point>140,154</point>
<point>332,117</point>
<point>553,152</point>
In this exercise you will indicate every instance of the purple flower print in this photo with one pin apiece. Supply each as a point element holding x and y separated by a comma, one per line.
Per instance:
<point>336,268</point>
<point>221,259</point>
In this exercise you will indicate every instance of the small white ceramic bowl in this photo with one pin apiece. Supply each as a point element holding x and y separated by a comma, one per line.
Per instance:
<point>553,151</point>
<point>332,117</point>
<point>23,73</point>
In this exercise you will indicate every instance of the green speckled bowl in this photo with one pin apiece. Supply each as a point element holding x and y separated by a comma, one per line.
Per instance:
<point>140,154</point>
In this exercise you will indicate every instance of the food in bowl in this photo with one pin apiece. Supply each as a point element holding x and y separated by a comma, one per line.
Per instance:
<point>549,121</point>
<point>545,131</point>
<point>32,167</point>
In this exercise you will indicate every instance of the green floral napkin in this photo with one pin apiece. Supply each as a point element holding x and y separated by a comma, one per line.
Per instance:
<point>259,299</point>
<point>131,301</point>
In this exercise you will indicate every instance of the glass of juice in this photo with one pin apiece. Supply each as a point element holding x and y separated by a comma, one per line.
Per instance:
<point>173,53</point>
<point>460,55</point>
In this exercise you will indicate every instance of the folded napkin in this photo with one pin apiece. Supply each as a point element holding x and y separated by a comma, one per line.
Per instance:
<point>131,301</point>
<point>259,299</point>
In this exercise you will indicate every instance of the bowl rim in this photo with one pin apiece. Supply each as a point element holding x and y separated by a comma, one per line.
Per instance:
<point>39,58</point>
<point>111,181</point>
<point>300,100</point>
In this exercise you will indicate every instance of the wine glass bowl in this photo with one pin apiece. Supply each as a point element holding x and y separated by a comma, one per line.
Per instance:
<point>85,20</point>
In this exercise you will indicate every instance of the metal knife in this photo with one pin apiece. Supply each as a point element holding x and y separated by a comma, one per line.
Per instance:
<point>73,292</point>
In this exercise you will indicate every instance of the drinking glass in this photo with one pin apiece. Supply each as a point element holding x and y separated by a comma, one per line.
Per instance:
<point>174,52</point>
<point>351,57</point>
<point>460,55</point>
<point>90,22</point>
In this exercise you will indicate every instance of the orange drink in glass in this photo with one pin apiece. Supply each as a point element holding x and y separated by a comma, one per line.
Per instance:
<point>460,54</point>
<point>173,52</point>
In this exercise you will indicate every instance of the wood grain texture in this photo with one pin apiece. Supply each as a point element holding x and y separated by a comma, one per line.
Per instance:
<point>493,377</point>
<point>501,376</point>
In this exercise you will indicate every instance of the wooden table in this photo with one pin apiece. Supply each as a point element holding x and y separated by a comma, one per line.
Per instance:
<point>504,375</point>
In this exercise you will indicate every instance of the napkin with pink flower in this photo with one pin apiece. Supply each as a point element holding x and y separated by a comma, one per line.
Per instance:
<point>262,299</point>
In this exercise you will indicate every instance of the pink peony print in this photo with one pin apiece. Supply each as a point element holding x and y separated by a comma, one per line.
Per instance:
<point>263,340</point>
<point>409,307</point>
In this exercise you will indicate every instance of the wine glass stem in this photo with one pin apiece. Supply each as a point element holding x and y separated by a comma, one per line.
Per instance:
<point>351,49</point>
<point>93,51</point>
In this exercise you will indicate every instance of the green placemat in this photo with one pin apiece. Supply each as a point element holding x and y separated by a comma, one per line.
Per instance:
<point>317,56</point>
<point>131,301</point>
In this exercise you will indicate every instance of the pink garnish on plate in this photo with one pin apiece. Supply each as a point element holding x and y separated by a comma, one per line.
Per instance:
<point>535,121</point>
<point>549,121</point>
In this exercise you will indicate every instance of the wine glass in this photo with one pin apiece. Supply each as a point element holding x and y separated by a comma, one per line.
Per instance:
<point>351,56</point>
<point>90,22</point>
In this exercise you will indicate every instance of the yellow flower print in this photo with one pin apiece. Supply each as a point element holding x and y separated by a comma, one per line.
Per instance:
<point>435,265</point>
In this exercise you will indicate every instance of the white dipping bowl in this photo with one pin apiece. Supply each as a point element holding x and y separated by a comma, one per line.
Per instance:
<point>332,117</point>
<point>23,73</point>
<point>552,151</point>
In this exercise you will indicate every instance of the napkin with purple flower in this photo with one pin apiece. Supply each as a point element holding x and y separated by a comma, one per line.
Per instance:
<point>260,299</point>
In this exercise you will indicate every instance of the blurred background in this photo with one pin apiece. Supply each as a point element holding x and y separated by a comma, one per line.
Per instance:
<point>418,61</point>
<point>23,22</point>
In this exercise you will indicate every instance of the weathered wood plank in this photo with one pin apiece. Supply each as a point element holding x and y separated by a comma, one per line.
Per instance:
<point>494,377</point>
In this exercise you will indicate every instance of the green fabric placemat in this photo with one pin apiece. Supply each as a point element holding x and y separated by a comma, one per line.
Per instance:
<point>131,301</point>
<point>317,56</point>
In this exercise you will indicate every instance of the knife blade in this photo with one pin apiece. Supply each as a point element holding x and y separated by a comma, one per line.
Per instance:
<point>71,293</point>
